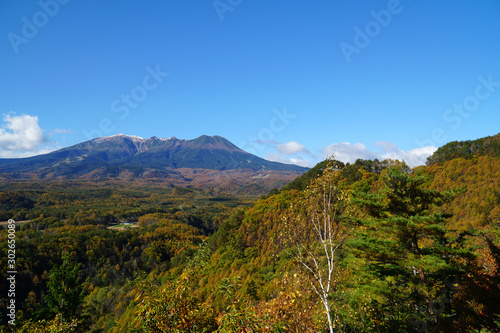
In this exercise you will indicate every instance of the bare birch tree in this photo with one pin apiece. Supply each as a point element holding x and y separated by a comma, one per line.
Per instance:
<point>316,233</point>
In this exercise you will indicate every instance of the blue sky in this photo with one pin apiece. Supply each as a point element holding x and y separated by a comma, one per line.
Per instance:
<point>292,81</point>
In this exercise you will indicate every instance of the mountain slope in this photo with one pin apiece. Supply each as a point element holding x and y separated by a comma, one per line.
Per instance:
<point>122,156</point>
<point>488,146</point>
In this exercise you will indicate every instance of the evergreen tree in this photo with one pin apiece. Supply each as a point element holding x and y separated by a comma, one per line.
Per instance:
<point>64,295</point>
<point>409,255</point>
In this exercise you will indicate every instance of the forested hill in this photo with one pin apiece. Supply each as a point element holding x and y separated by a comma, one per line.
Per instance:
<point>372,246</point>
<point>489,146</point>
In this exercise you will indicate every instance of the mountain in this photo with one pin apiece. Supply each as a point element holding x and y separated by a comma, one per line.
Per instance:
<point>487,146</point>
<point>131,157</point>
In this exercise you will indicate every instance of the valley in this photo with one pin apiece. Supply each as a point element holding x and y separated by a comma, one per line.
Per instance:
<point>235,250</point>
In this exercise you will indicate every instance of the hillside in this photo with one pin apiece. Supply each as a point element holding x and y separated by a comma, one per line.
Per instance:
<point>207,161</point>
<point>488,146</point>
<point>406,250</point>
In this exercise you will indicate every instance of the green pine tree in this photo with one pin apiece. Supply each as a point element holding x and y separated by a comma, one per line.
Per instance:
<point>64,295</point>
<point>410,259</point>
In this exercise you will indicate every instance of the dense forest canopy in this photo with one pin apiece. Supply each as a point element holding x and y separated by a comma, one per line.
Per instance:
<point>488,146</point>
<point>372,246</point>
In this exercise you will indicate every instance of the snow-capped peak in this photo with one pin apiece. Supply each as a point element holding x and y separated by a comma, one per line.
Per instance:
<point>133,137</point>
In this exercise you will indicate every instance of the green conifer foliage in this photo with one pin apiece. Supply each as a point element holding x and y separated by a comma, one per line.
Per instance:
<point>64,295</point>
<point>410,258</point>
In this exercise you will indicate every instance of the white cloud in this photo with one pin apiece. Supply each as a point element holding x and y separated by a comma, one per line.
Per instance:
<point>302,162</point>
<point>20,133</point>
<point>291,152</point>
<point>386,146</point>
<point>413,157</point>
<point>298,160</point>
<point>350,152</point>
<point>21,136</point>
<point>291,148</point>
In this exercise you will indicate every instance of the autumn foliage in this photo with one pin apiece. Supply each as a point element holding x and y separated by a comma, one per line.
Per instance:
<point>373,246</point>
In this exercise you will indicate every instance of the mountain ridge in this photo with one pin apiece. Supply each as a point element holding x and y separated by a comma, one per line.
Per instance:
<point>132,157</point>
<point>486,146</point>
